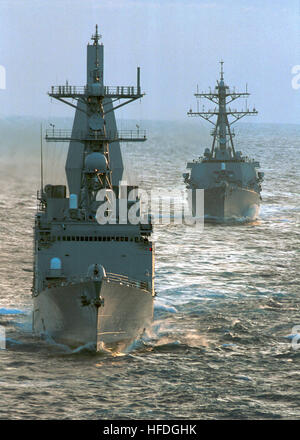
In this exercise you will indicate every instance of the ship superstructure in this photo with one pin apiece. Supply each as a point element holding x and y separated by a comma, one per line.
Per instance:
<point>93,273</point>
<point>231,182</point>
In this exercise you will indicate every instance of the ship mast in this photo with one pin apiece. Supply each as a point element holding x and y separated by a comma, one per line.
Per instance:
<point>95,100</point>
<point>222,133</point>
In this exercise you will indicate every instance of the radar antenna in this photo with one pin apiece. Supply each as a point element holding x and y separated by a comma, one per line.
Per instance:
<point>96,37</point>
<point>222,96</point>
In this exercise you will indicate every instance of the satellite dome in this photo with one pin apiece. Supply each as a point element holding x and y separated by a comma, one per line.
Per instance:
<point>96,162</point>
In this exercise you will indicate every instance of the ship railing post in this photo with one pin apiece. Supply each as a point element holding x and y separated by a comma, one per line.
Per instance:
<point>138,81</point>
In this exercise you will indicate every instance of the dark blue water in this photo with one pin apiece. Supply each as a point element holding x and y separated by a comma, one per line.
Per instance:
<point>228,299</point>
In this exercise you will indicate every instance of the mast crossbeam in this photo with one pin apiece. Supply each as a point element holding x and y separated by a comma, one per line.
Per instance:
<point>62,135</point>
<point>118,92</point>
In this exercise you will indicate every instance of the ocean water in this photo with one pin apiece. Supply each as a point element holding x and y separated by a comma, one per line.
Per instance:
<point>227,297</point>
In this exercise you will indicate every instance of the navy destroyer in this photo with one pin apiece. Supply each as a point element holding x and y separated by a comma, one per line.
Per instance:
<point>93,273</point>
<point>231,182</point>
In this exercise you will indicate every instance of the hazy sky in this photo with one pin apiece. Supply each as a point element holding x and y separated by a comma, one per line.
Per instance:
<point>177,43</point>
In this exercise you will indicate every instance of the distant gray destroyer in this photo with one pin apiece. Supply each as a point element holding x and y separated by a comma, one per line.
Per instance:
<point>93,279</point>
<point>231,182</point>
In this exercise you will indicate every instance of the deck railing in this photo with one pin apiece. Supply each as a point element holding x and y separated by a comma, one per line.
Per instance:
<point>95,90</point>
<point>63,281</point>
<point>64,135</point>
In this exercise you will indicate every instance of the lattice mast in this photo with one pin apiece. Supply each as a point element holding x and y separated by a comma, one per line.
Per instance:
<point>222,96</point>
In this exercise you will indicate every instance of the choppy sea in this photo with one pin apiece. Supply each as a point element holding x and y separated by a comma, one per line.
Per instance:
<point>223,340</point>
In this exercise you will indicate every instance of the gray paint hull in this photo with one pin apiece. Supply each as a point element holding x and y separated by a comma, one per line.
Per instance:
<point>126,312</point>
<point>229,203</point>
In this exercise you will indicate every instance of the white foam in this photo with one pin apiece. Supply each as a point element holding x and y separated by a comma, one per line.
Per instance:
<point>165,307</point>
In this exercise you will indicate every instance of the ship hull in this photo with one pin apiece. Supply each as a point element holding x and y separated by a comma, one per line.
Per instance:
<point>230,203</point>
<point>68,314</point>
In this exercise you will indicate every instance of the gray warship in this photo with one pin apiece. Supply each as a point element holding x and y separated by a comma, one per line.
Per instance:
<point>231,182</point>
<point>93,280</point>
